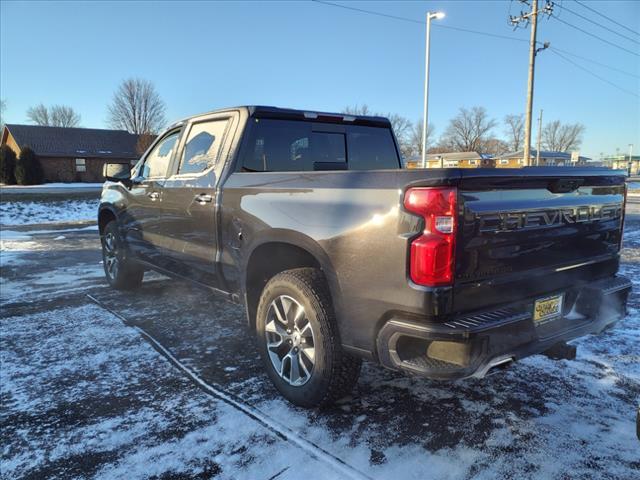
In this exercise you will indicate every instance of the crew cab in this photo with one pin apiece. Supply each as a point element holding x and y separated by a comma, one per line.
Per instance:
<point>338,254</point>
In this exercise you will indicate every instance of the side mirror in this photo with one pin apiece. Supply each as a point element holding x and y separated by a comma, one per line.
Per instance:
<point>117,172</point>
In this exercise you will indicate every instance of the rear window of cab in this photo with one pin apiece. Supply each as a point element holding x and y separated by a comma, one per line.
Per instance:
<point>275,145</point>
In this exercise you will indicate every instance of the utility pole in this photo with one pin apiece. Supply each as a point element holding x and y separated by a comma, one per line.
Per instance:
<point>532,68</point>
<point>531,18</point>
<point>538,142</point>
<point>630,157</point>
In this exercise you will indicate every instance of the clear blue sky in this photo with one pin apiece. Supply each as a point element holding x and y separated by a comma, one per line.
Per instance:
<point>203,56</point>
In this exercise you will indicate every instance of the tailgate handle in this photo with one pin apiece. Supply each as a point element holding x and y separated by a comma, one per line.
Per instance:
<point>564,185</point>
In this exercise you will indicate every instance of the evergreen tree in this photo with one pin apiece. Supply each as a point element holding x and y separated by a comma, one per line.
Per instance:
<point>7,165</point>
<point>28,169</point>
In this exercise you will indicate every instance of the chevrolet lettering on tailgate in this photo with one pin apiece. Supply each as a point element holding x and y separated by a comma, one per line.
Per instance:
<point>489,222</point>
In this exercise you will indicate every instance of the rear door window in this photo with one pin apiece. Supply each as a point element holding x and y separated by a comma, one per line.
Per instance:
<point>284,145</point>
<point>202,147</point>
<point>281,146</point>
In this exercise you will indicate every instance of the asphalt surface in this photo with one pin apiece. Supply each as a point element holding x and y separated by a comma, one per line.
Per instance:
<point>166,382</point>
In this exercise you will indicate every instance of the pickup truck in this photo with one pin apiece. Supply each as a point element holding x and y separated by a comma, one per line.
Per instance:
<point>338,254</point>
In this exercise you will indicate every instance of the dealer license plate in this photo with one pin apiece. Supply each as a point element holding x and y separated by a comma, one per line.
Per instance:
<point>546,309</point>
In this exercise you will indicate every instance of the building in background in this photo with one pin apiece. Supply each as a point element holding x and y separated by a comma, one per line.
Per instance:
<point>621,162</point>
<point>547,159</point>
<point>454,160</point>
<point>72,154</point>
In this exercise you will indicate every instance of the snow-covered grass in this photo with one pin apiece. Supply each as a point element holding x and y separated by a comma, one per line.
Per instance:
<point>55,185</point>
<point>50,211</point>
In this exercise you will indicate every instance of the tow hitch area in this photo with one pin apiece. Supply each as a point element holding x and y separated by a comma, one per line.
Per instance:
<point>561,351</point>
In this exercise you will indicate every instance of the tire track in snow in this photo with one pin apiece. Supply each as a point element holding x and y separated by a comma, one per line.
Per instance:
<point>281,431</point>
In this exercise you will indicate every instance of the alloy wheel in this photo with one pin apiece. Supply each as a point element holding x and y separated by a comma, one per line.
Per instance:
<point>110,249</point>
<point>290,341</point>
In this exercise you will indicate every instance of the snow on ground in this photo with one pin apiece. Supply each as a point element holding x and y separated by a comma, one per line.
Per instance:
<point>80,185</point>
<point>49,211</point>
<point>83,395</point>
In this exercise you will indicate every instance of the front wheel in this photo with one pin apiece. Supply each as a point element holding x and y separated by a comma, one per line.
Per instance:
<point>299,340</point>
<point>121,272</point>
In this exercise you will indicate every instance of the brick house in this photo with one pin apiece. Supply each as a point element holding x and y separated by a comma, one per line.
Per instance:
<point>547,159</point>
<point>72,154</point>
<point>454,160</point>
<point>621,162</point>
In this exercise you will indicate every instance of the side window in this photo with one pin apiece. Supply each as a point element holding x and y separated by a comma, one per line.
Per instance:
<point>284,146</point>
<point>157,162</point>
<point>278,146</point>
<point>203,146</point>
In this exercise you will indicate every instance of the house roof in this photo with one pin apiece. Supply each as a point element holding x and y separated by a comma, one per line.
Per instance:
<point>454,156</point>
<point>75,142</point>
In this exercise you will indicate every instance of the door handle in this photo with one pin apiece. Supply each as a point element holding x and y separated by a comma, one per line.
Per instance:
<point>153,195</point>
<point>204,198</point>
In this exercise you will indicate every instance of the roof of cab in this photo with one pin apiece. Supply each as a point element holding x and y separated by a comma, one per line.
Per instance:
<point>262,111</point>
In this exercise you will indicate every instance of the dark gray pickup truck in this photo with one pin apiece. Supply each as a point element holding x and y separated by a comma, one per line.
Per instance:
<point>337,253</point>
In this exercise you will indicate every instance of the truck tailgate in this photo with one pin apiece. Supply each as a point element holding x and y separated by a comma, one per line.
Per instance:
<point>533,233</point>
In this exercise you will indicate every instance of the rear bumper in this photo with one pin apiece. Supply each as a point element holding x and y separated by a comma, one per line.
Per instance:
<point>474,345</point>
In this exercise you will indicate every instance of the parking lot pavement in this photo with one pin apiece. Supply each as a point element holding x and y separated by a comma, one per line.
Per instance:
<point>87,391</point>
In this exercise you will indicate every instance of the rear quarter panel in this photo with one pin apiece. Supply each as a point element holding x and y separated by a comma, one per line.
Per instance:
<point>352,222</point>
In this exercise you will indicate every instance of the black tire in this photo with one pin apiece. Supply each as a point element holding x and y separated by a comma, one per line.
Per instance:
<point>333,372</point>
<point>121,271</point>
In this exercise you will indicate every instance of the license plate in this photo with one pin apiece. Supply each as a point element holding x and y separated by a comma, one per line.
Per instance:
<point>546,309</point>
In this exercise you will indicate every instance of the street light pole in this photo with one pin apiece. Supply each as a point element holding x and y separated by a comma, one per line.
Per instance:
<point>430,15</point>
<point>538,142</point>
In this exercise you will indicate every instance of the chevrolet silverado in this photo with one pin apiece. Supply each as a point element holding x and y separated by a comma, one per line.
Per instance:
<point>338,254</point>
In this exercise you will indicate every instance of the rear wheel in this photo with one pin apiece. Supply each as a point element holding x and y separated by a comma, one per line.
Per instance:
<point>121,272</point>
<point>299,340</point>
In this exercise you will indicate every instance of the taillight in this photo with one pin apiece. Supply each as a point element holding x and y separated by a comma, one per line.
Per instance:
<point>432,259</point>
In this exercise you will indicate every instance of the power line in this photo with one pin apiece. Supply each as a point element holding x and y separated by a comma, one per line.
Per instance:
<point>466,30</point>
<point>598,37</point>
<point>555,51</point>
<point>419,22</point>
<point>599,25</point>
<point>596,62</point>
<point>486,34</point>
<point>370,12</point>
<point>608,18</point>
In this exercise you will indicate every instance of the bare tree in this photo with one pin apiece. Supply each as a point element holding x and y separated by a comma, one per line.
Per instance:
<point>439,148</point>
<point>64,116</point>
<point>494,146</point>
<point>515,131</point>
<point>402,126</point>
<point>358,109</point>
<point>144,141</point>
<point>54,116</point>
<point>137,107</point>
<point>39,115</point>
<point>468,130</point>
<point>415,139</point>
<point>558,137</point>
